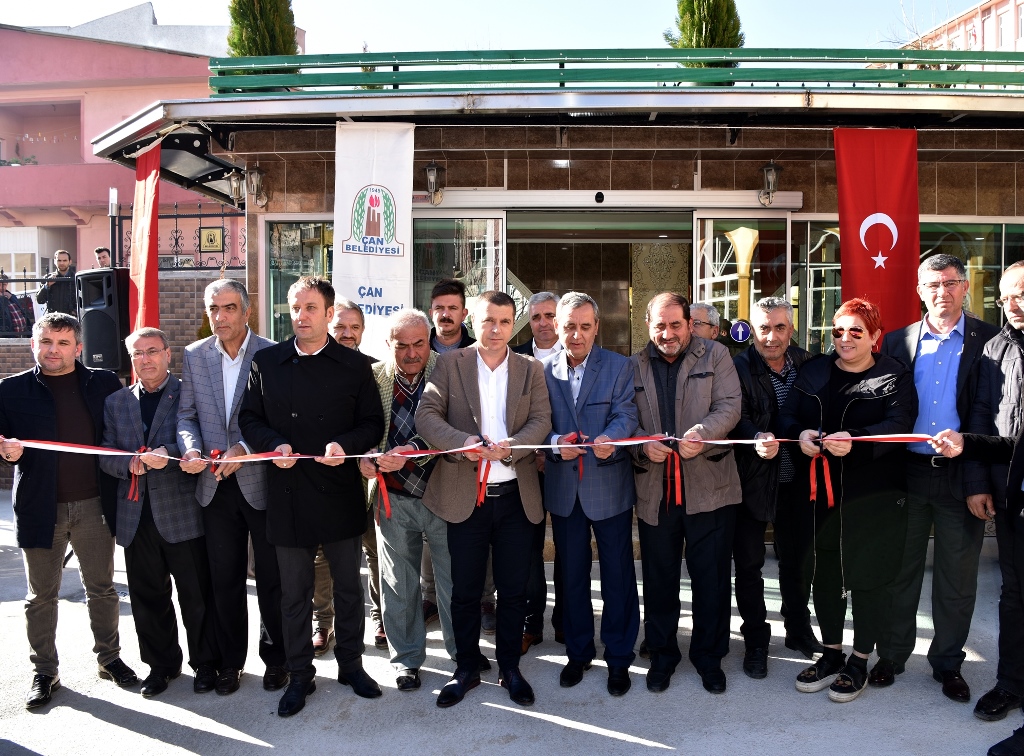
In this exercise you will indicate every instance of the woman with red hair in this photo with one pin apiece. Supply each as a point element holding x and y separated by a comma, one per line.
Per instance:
<point>860,515</point>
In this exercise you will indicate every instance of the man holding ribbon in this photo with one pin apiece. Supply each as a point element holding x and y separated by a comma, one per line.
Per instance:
<point>62,497</point>
<point>312,397</point>
<point>686,387</point>
<point>489,396</point>
<point>159,521</point>
<point>589,490</point>
<point>944,349</point>
<point>233,496</point>
<point>397,486</point>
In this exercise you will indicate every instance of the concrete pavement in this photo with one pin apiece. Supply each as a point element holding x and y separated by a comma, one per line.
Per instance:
<point>92,716</point>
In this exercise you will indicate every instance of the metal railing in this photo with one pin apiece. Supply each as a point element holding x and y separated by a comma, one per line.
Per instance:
<point>775,68</point>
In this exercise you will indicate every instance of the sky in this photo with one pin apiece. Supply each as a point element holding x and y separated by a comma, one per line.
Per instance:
<point>406,25</point>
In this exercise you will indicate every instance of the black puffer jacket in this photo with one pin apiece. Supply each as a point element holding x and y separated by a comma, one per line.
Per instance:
<point>868,524</point>
<point>760,414</point>
<point>997,410</point>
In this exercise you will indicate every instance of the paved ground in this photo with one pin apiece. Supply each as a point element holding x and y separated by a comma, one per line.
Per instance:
<point>92,716</point>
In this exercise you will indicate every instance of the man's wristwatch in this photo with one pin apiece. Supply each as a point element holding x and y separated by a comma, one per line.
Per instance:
<point>507,460</point>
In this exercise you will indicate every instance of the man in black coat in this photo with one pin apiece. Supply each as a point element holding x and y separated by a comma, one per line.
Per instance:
<point>767,370</point>
<point>310,395</point>
<point>62,497</point>
<point>58,292</point>
<point>944,350</point>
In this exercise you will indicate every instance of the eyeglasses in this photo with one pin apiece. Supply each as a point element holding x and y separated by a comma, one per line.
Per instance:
<point>856,332</point>
<point>151,353</point>
<point>1017,299</point>
<point>949,285</point>
<point>700,323</point>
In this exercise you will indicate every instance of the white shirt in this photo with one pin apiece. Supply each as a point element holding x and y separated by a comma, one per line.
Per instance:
<point>540,354</point>
<point>230,368</point>
<point>493,388</point>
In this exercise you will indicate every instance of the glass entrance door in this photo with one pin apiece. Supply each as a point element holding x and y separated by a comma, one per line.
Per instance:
<point>739,261</point>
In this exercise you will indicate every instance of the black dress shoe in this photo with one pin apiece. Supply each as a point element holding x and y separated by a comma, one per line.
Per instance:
<point>883,674</point>
<point>645,651</point>
<point>484,665</point>
<point>205,679</point>
<point>1012,746</point>
<point>996,704</point>
<point>618,681</point>
<point>572,673</point>
<point>410,680</point>
<point>275,678</point>
<point>156,683</point>
<point>119,672</point>
<point>954,686</point>
<point>755,663</point>
<point>805,643</point>
<point>227,681</point>
<point>713,680</point>
<point>362,684</point>
<point>294,699</point>
<point>658,680</point>
<point>518,689</point>
<point>463,681</point>
<point>41,690</point>
<point>560,636</point>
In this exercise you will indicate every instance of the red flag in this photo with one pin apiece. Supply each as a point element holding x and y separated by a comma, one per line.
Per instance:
<point>876,171</point>
<point>144,290</point>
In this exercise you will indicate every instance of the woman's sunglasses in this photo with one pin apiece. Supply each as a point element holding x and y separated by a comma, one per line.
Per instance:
<point>856,332</point>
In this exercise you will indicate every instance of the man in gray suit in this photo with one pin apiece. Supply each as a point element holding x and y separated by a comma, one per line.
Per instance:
<point>158,519</point>
<point>591,491</point>
<point>233,495</point>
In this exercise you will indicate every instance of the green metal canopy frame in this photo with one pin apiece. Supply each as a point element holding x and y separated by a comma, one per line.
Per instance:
<point>511,70</point>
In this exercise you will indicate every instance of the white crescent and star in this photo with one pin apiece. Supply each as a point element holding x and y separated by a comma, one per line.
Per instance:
<point>885,220</point>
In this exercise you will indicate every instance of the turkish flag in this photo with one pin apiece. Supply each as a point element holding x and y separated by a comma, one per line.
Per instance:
<point>876,171</point>
<point>144,287</point>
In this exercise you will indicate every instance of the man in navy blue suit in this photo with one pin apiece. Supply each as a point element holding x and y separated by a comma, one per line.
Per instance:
<point>591,490</point>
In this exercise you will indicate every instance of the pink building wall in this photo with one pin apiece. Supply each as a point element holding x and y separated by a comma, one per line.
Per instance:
<point>993,25</point>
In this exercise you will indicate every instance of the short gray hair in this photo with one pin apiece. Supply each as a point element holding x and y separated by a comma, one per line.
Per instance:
<point>216,287</point>
<point>543,296</point>
<point>767,304</point>
<point>939,262</point>
<point>146,333</point>
<point>573,299</point>
<point>341,304</point>
<point>58,321</point>
<point>711,313</point>
<point>406,318</point>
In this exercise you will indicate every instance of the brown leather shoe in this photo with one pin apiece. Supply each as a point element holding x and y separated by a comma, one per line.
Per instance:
<point>380,638</point>
<point>954,686</point>
<point>529,639</point>
<point>323,639</point>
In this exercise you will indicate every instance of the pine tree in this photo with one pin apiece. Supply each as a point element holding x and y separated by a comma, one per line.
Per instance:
<point>261,27</point>
<point>706,23</point>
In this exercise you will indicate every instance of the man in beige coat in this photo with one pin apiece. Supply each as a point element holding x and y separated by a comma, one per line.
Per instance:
<point>685,490</point>
<point>490,497</point>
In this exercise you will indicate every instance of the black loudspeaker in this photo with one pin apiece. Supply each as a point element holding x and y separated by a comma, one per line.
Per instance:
<point>103,311</point>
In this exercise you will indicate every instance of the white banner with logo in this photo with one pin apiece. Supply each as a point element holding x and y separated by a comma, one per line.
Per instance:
<point>373,223</point>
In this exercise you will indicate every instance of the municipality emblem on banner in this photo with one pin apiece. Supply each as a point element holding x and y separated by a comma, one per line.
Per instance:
<point>373,224</point>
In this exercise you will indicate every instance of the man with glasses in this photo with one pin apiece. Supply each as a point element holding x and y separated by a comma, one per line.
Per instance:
<point>997,413</point>
<point>944,350</point>
<point>705,321</point>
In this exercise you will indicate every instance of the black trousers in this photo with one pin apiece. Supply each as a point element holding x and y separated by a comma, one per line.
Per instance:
<point>870,605</point>
<point>537,588</point>
<point>151,562</point>
<point>794,548</point>
<point>1010,538</point>
<point>229,521</point>
<point>297,579</point>
<point>708,537</point>
<point>500,526</point>
<point>794,536</point>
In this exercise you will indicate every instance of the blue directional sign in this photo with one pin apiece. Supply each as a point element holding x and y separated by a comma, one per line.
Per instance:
<point>740,331</point>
